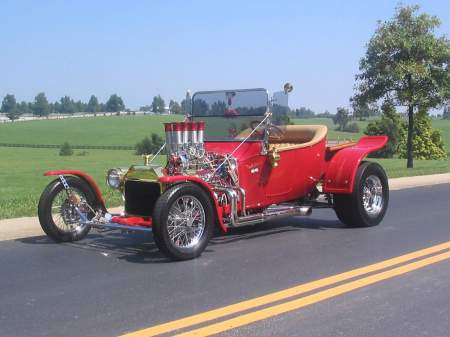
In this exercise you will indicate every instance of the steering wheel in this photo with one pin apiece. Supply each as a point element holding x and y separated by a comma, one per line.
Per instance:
<point>274,131</point>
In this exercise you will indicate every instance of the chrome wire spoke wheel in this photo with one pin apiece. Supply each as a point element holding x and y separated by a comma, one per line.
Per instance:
<point>186,221</point>
<point>372,196</point>
<point>64,213</point>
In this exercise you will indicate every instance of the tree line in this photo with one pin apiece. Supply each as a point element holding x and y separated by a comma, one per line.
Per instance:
<point>41,107</point>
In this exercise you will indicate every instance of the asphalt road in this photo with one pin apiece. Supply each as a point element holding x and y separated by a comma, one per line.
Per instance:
<point>109,284</point>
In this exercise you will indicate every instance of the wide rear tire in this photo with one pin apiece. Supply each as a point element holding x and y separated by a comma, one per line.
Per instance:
<point>183,221</point>
<point>368,203</point>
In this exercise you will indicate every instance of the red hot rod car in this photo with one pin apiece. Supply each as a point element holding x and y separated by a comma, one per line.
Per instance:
<point>228,165</point>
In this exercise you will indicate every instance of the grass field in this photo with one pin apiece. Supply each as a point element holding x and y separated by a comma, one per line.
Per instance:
<point>21,180</point>
<point>110,130</point>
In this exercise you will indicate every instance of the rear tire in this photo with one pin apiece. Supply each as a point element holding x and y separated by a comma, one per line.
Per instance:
<point>56,215</point>
<point>183,221</point>
<point>368,203</point>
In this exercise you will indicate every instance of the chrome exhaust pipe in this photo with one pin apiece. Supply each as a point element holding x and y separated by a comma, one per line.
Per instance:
<point>274,213</point>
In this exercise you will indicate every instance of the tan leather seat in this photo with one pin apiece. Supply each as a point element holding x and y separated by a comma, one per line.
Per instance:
<point>297,136</point>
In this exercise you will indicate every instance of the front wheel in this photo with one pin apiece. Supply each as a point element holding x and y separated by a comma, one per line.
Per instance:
<point>183,220</point>
<point>60,211</point>
<point>368,203</point>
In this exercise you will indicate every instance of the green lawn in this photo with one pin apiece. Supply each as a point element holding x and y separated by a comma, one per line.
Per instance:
<point>397,167</point>
<point>21,180</point>
<point>332,133</point>
<point>110,130</point>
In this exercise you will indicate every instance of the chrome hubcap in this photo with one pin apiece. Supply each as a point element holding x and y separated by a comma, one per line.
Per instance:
<point>64,214</point>
<point>186,221</point>
<point>372,195</point>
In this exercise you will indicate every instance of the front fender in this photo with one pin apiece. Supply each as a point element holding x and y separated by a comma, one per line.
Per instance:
<point>177,179</point>
<point>87,178</point>
<point>340,174</point>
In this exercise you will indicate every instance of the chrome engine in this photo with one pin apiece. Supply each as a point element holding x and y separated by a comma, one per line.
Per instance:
<point>186,155</point>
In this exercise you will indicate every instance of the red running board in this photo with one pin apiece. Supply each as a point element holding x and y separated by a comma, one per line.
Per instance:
<point>132,221</point>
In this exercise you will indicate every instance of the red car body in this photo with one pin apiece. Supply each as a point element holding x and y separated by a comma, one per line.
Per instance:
<point>260,171</point>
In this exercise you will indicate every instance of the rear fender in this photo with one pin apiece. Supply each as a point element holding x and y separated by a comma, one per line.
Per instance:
<point>169,180</point>
<point>340,174</point>
<point>82,175</point>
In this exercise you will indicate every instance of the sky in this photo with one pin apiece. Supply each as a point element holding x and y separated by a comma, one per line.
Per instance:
<point>139,49</point>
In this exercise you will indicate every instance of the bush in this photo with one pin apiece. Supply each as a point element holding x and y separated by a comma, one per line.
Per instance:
<point>394,129</point>
<point>428,144</point>
<point>66,150</point>
<point>149,145</point>
<point>390,125</point>
<point>352,127</point>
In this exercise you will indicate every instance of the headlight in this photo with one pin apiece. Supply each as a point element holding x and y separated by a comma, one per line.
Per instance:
<point>114,178</point>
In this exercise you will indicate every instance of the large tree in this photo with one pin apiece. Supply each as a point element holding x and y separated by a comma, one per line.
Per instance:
<point>9,107</point>
<point>93,105</point>
<point>40,105</point>
<point>407,64</point>
<point>115,104</point>
<point>158,104</point>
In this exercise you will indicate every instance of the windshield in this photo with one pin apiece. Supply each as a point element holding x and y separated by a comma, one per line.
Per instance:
<point>230,114</point>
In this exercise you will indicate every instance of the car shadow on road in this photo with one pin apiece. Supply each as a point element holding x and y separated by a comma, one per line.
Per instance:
<point>274,227</point>
<point>140,248</point>
<point>132,247</point>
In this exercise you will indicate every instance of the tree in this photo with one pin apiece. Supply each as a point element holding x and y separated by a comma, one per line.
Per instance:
<point>158,104</point>
<point>66,105</point>
<point>9,107</point>
<point>407,64</point>
<point>175,108</point>
<point>303,112</point>
<point>24,108</point>
<point>93,105</point>
<point>40,106</point>
<point>149,145</point>
<point>341,118</point>
<point>363,110</point>
<point>115,104</point>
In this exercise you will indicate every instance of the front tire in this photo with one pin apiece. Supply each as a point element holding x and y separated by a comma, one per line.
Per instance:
<point>57,215</point>
<point>368,203</point>
<point>183,221</point>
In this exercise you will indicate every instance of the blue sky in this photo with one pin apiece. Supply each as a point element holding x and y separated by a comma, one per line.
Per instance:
<point>138,49</point>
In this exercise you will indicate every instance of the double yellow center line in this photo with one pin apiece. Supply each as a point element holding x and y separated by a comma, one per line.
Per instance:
<point>429,256</point>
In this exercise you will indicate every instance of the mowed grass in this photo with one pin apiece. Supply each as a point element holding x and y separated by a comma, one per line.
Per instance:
<point>108,130</point>
<point>22,180</point>
<point>21,169</point>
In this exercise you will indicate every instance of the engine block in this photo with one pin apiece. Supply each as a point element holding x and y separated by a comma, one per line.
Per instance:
<point>186,155</point>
